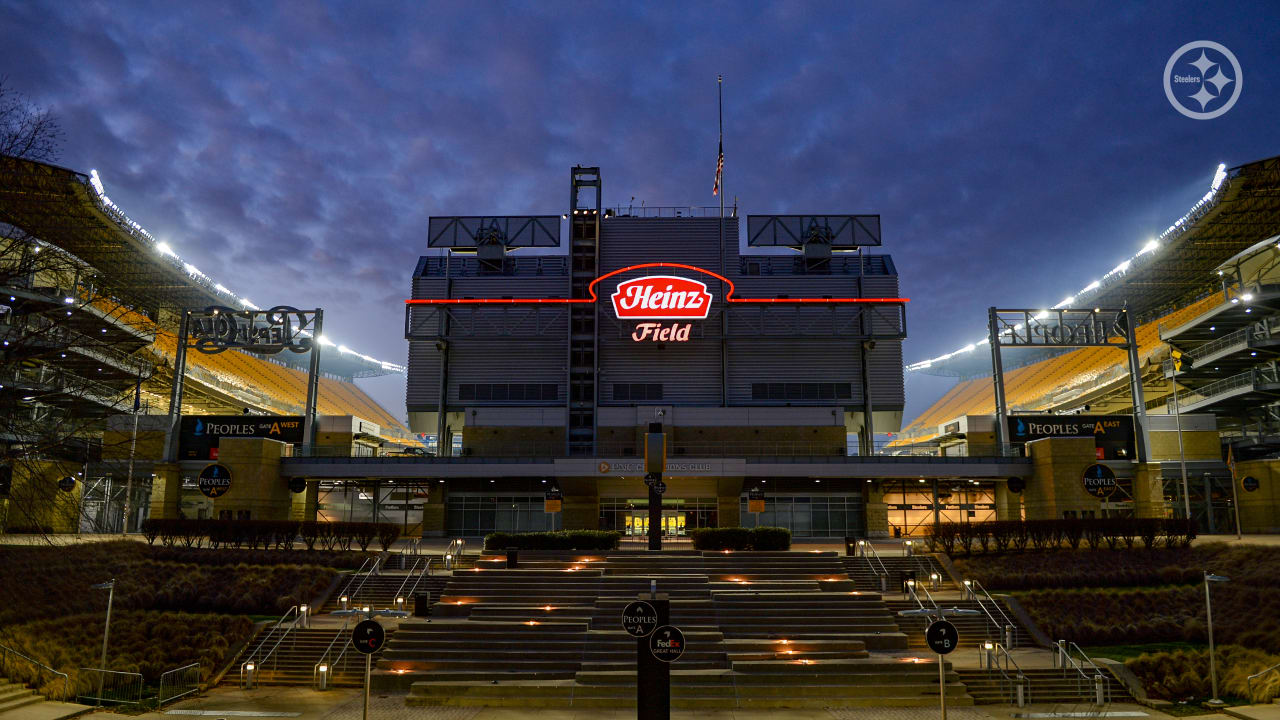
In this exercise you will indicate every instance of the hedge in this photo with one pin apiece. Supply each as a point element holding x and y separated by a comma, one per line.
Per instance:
<point>1184,674</point>
<point>1095,533</point>
<point>738,538</point>
<point>554,540</point>
<point>268,534</point>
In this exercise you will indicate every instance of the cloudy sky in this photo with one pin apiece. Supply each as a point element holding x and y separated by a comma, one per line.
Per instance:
<point>294,151</point>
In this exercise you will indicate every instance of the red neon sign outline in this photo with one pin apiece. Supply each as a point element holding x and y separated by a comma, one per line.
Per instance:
<point>728,296</point>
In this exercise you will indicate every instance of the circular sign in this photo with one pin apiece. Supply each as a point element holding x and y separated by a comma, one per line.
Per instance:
<point>368,637</point>
<point>1017,484</point>
<point>650,479</point>
<point>214,480</point>
<point>1099,481</point>
<point>297,485</point>
<point>67,484</point>
<point>1249,483</point>
<point>941,636</point>
<point>660,487</point>
<point>639,618</point>
<point>667,643</point>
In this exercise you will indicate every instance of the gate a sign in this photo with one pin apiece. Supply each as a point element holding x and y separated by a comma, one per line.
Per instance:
<point>661,297</point>
<point>1099,481</point>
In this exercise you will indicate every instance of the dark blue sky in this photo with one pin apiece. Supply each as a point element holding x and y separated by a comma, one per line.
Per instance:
<point>1015,151</point>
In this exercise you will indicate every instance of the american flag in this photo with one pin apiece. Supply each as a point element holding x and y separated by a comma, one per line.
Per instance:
<point>715,189</point>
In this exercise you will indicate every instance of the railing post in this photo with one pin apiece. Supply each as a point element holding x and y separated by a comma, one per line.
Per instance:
<point>1099,690</point>
<point>1021,689</point>
<point>1008,636</point>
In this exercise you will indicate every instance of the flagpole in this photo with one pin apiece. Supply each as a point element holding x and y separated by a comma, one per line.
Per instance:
<point>724,314</point>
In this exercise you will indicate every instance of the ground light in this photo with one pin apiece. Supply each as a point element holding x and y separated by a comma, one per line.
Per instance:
<point>1208,611</point>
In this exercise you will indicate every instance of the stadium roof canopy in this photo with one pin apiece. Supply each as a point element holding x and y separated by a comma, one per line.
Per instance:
<point>71,211</point>
<point>1241,208</point>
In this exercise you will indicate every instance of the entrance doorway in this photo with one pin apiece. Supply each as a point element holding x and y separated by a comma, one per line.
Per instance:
<point>673,523</point>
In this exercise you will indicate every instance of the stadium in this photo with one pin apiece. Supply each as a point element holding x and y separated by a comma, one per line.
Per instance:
<point>550,359</point>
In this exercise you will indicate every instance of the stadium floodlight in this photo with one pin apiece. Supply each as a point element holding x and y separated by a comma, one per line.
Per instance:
<point>164,249</point>
<point>1150,246</point>
<point>969,348</point>
<point>1246,297</point>
<point>1066,302</point>
<point>1042,315</point>
<point>325,341</point>
<point>222,289</point>
<point>1091,287</point>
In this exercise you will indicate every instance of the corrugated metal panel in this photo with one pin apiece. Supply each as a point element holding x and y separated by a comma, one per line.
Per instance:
<point>693,241</point>
<point>793,361</point>
<point>422,389</point>
<point>495,361</point>
<point>688,371</point>
<point>885,366</point>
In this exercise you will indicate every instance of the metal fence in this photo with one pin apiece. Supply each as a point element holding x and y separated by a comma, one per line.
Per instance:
<point>113,686</point>
<point>178,682</point>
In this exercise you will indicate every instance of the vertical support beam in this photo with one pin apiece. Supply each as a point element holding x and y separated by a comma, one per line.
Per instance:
<point>175,393</point>
<point>997,379</point>
<point>313,385</point>
<point>444,445</point>
<point>937,505</point>
<point>1135,385</point>
<point>866,443</point>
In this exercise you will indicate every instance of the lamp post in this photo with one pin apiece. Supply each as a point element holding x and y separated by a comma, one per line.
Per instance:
<point>110,587</point>
<point>1208,610</point>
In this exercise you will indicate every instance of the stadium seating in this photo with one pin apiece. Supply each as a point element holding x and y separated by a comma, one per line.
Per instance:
<point>1034,386</point>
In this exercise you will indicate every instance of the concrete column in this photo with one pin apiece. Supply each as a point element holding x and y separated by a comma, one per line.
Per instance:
<point>166,491</point>
<point>1148,490</point>
<point>305,504</point>
<point>433,511</point>
<point>580,509</point>
<point>1259,509</point>
<point>1008,504</point>
<point>1056,485</point>
<point>729,502</point>
<point>256,484</point>
<point>877,519</point>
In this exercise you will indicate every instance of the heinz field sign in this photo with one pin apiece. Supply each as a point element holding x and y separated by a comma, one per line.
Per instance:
<point>661,297</point>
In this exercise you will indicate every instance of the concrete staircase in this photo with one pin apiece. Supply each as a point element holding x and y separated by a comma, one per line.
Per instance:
<point>19,702</point>
<point>973,629</point>
<point>294,660</point>
<point>865,572</point>
<point>380,591</point>
<point>769,630</point>
<point>1043,686</point>
<point>14,695</point>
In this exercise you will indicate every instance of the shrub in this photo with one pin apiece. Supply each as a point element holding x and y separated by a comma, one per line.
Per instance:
<point>770,538</point>
<point>554,540</point>
<point>388,533</point>
<point>1178,675</point>
<point>737,538</point>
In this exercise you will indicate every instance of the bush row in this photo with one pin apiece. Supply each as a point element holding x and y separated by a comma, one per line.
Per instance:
<point>268,534</point>
<point>148,643</point>
<point>554,540</point>
<point>1243,613</point>
<point>1096,533</point>
<point>52,581</point>
<point>1184,674</point>
<point>738,538</point>
<point>1245,564</point>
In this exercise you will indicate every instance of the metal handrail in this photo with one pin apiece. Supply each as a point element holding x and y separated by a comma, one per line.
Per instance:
<point>342,633</point>
<point>1000,651</point>
<point>911,591</point>
<point>356,574</point>
<point>1007,622</point>
<point>1249,680</point>
<point>1064,648</point>
<point>255,656</point>
<point>6,651</point>
<point>884,571</point>
<point>372,565</point>
<point>408,575</point>
<point>426,570</point>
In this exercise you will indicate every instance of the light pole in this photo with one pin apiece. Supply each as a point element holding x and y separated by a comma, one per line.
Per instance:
<point>1208,610</point>
<point>110,587</point>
